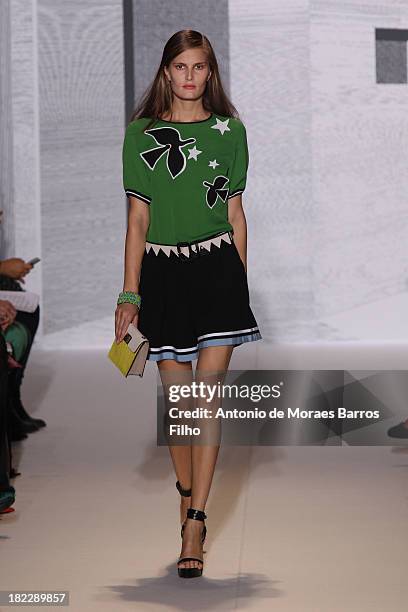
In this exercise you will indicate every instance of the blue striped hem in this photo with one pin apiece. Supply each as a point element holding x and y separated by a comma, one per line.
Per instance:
<point>192,354</point>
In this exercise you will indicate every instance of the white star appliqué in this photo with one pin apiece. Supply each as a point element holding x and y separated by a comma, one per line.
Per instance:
<point>221,125</point>
<point>213,164</point>
<point>193,153</point>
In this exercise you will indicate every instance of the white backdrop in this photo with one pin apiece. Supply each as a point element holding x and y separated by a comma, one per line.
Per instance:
<point>326,194</point>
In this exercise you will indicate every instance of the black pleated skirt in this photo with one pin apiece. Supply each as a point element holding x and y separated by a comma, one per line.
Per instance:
<point>191,304</point>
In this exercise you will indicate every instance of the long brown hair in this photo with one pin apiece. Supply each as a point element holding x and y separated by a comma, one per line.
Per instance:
<point>157,99</point>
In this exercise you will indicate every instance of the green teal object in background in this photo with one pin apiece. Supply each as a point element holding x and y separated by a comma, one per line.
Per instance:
<point>18,336</point>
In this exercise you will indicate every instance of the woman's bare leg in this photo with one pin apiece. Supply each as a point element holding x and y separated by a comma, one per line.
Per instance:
<point>173,372</point>
<point>214,360</point>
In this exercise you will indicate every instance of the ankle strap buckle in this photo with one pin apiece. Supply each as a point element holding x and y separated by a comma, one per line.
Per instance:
<point>198,515</point>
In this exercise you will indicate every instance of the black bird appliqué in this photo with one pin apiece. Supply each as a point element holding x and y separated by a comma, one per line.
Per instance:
<point>171,143</point>
<point>216,189</point>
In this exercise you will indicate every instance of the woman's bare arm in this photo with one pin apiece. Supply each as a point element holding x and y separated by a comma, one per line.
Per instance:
<point>138,224</point>
<point>236,217</point>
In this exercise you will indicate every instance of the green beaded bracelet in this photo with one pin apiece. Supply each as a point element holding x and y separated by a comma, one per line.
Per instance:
<point>129,297</point>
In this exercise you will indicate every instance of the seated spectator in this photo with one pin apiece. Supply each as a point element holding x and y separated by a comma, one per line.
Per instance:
<point>17,332</point>
<point>12,271</point>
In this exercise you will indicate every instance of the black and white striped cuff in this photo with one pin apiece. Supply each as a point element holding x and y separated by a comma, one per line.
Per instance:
<point>137,194</point>
<point>234,193</point>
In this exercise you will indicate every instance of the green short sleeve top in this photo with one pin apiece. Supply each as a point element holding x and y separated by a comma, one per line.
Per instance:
<point>186,172</point>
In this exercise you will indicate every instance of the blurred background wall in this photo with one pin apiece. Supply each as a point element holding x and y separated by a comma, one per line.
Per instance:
<point>323,94</point>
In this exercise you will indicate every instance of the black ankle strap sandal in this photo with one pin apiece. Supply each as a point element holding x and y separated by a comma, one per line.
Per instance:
<point>198,515</point>
<point>187,493</point>
<point>204,532</point>
<point>192,572</point>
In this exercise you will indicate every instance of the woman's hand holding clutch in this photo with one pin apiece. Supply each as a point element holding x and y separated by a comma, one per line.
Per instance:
<point>125,314</point>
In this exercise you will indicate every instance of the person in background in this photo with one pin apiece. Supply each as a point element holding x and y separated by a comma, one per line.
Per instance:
<point>12,273</point>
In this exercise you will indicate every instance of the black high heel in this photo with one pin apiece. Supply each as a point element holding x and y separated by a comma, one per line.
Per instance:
<point>192,572</point>
<point>187,493</point>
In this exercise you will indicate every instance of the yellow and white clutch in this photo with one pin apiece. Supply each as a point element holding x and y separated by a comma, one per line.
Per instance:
<point>131,353</point>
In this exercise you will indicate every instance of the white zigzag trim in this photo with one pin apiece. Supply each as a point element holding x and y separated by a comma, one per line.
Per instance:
<point>168,249</point>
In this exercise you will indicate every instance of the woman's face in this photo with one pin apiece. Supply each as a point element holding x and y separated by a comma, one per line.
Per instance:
<point>188,73</point>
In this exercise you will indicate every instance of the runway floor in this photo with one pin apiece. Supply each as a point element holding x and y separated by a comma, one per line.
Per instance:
<point>299,529</point>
